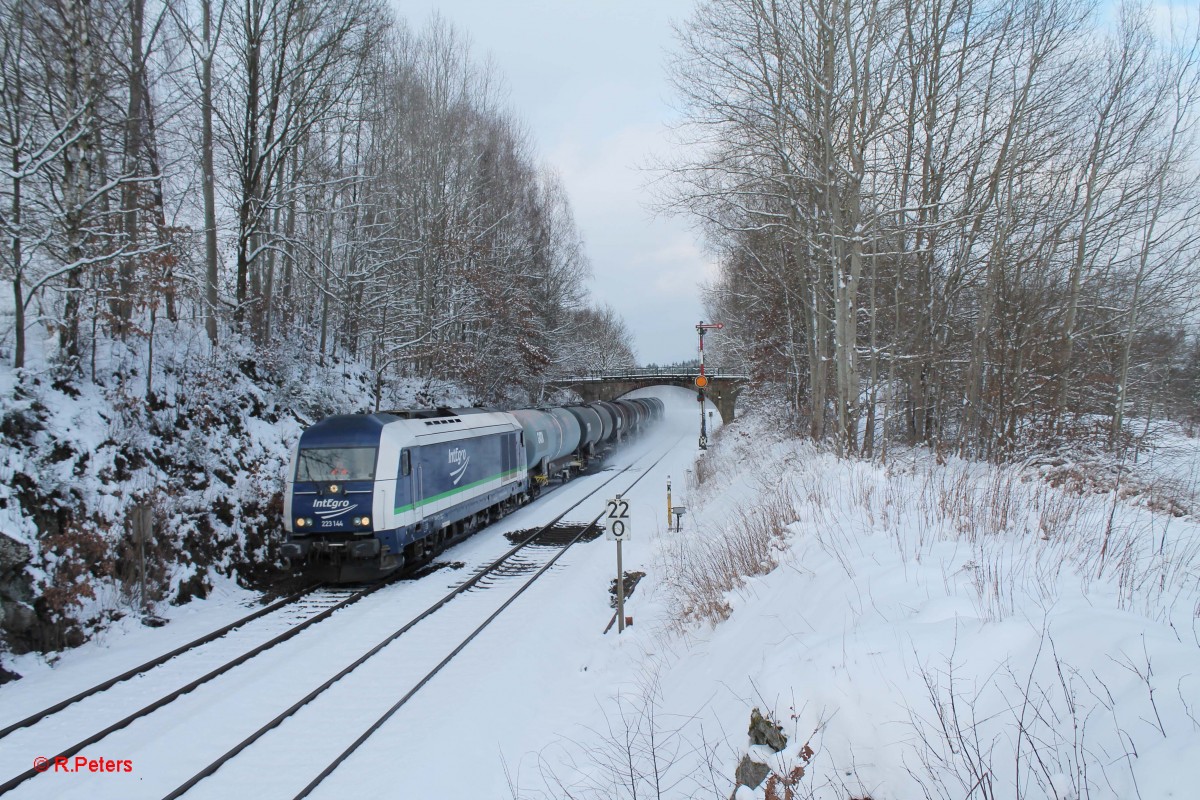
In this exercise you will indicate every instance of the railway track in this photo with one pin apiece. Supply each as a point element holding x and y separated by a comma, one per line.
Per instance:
<point>314,604</point>
<point>517,562</point>
<point>38,716</point>
<point>538,553</point>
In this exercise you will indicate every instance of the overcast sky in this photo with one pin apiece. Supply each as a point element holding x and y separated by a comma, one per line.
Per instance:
<point>588,78</point>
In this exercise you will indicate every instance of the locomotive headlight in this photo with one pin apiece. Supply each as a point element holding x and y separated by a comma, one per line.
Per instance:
<point>365,521</point>
<point>300,522</point>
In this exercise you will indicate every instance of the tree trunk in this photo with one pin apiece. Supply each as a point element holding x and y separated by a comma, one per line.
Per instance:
<point>208,178</point>
<point>121,306</point>
<point>873,396</point>
<point>249,207</point>
<point>77,172</point>
<point>150,145</point>
<point>18,269</point>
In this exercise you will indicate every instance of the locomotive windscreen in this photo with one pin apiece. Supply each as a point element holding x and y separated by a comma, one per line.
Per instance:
<point>336,464</point>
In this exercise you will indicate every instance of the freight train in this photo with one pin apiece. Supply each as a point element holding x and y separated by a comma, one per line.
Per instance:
<point>368,493</point>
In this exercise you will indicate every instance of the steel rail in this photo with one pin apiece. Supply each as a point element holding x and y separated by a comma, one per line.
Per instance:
<point>455,592</point>
<point>176,694</point>
<point>149,665</point>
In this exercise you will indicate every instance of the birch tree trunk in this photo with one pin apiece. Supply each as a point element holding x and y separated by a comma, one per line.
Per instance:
<point>209,39</point>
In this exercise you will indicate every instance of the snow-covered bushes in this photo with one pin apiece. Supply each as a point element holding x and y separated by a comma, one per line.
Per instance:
<point>1026,537</point>
<point>701,574</point>
<point>949,628</point>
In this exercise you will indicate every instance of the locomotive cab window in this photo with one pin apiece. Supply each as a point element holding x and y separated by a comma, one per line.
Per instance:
<point>405,463</point>
<point>323,464</point>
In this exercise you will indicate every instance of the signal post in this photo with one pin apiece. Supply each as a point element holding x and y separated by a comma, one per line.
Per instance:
<point>702,379</point>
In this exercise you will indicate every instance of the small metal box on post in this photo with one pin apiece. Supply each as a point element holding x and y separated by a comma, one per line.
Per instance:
<point>678,511</point>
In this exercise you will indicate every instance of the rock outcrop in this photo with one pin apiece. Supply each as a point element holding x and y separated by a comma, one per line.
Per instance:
<point>18,622</point>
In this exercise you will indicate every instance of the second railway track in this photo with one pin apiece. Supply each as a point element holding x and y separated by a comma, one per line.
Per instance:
<point>380,673</point>
<point>188,710</point>
<point>284,607</point>
<point>119,701</point>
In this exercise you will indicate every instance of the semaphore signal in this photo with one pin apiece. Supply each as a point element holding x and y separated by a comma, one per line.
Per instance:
<point>702,380</point>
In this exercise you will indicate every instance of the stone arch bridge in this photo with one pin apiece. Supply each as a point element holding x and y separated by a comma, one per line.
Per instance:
<point>723,387</point>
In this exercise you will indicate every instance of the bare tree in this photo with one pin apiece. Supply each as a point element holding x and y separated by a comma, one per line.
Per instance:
<point>58,191</point>
<point>952,190</point>
<point>203,48</point>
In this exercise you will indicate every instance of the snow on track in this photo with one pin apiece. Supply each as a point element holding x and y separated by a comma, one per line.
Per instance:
<point>173,743</point>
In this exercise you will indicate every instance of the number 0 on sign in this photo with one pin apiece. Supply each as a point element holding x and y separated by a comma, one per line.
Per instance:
<point>617,515</point>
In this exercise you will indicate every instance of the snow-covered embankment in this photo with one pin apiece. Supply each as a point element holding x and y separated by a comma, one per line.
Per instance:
<point>918,628</point>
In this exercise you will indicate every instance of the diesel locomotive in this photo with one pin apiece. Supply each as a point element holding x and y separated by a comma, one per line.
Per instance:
<point>368,493</point>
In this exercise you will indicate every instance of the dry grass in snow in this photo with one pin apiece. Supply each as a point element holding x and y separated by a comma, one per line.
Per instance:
<point>951,630</point>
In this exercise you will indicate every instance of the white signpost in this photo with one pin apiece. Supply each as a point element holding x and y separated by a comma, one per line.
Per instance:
<point>618,530</point>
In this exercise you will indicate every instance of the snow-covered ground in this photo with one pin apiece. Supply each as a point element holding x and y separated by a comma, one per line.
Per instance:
<point>1169,463</point>
<point>955,631</point>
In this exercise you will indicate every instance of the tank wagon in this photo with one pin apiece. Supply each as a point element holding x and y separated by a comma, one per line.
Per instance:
<point>367,493</point>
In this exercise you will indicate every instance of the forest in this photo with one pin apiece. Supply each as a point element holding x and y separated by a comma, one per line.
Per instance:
<point>222,221</point>
<point>970,224</point>
<point>281,170</point>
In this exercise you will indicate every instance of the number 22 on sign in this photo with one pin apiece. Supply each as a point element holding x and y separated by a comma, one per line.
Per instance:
<point>617,528</point>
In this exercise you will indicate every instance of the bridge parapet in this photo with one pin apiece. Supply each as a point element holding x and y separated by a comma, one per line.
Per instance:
<point>690,373</point>
<point>723,386</point>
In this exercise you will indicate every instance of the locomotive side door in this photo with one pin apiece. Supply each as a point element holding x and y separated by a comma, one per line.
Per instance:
<point>410,483</point>
<point>418,490</point>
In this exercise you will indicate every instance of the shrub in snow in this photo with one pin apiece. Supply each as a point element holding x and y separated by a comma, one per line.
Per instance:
<point>965,629</point>
<point>744,543</point>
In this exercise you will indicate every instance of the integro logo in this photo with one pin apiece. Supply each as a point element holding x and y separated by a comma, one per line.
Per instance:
<point>459,456</point>
<point>331,503</point>
<point>330,507</point>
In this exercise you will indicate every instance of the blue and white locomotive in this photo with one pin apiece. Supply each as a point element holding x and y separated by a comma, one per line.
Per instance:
<point>367,493</point>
